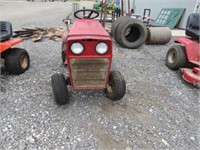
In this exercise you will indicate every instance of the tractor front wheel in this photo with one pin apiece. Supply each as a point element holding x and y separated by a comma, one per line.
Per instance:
<point>59,86</point>
<point>176,57</point>
<point>116,87</point>
<point>17,61</point>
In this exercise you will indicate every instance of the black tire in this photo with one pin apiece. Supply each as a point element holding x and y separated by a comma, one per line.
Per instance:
<point>176,57</point>
<point>17,61</point>
<point>136,36</point>
<point>116,23</point>
<point>59,86</point>
<point>116,87</point>
<point>63,52</point>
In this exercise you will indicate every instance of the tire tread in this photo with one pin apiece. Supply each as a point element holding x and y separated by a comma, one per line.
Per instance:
<point>120,86</point>
<point>59,86</point>
<point>181,60</point>
<point>12,64</point>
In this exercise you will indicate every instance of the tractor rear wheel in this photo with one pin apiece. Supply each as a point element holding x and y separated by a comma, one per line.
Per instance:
<point>176,57</point>
<point>59,86</point>
<point>17,61</point>
<point>116,87</point>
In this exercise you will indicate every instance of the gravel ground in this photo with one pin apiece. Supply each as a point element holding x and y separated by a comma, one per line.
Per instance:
<point>159,110</point>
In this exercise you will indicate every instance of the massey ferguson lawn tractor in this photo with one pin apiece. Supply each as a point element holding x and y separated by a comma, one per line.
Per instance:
<point>87,52</point>
<point>15,60</point>
<point>186,54</point>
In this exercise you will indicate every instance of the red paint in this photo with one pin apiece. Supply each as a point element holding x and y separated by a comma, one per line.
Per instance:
<point>8,44</point>
<point>87,27</point>
<point>192,49</point>
<point>191,75</point>
<point>89,32</point>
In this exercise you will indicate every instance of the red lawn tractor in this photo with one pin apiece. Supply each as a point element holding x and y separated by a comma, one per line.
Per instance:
<point>187,52</point>
<point>87,52</point>
<point>15,60</point>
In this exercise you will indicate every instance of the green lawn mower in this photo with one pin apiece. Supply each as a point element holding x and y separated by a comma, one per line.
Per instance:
<point>111,7</point>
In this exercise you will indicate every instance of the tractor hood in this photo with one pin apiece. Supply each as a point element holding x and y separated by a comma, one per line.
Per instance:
<point>87,27</point>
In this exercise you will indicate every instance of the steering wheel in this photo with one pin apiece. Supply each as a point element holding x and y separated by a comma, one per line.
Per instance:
<point>86,13</point>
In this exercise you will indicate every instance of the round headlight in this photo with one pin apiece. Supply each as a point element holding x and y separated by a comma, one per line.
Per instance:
<point>77,48</point>
<point>101,48</point>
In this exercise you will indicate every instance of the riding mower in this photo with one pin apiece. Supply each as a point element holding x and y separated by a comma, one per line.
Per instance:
<point>87,52</point>
<point>186,54</point>
<point>15,60</point>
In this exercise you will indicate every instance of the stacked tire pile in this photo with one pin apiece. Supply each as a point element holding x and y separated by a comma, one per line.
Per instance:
<point>129,32</point>
<point>132,33</point>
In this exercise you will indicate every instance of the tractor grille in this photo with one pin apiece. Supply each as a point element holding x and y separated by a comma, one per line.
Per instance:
<point>89,72</point>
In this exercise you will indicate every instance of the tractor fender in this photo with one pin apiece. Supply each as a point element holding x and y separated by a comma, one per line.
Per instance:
<point>191,48</point>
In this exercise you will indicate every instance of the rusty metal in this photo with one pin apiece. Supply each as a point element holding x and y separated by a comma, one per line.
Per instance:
<point>90,73</point>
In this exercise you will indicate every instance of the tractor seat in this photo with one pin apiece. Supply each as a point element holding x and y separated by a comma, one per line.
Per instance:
<point>192,27</point>
<point>6,31</point>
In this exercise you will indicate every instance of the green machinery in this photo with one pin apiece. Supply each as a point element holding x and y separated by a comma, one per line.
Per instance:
<point>111,7</point>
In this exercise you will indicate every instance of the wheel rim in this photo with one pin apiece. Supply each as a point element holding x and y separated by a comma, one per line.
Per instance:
<point>109,89</point>
<point>24,61</point>
<point>172,57</point>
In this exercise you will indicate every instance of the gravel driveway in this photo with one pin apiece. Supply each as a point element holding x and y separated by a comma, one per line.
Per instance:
<point>159,110</point>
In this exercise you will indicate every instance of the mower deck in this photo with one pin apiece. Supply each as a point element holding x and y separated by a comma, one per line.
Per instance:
<point>191,75</point>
